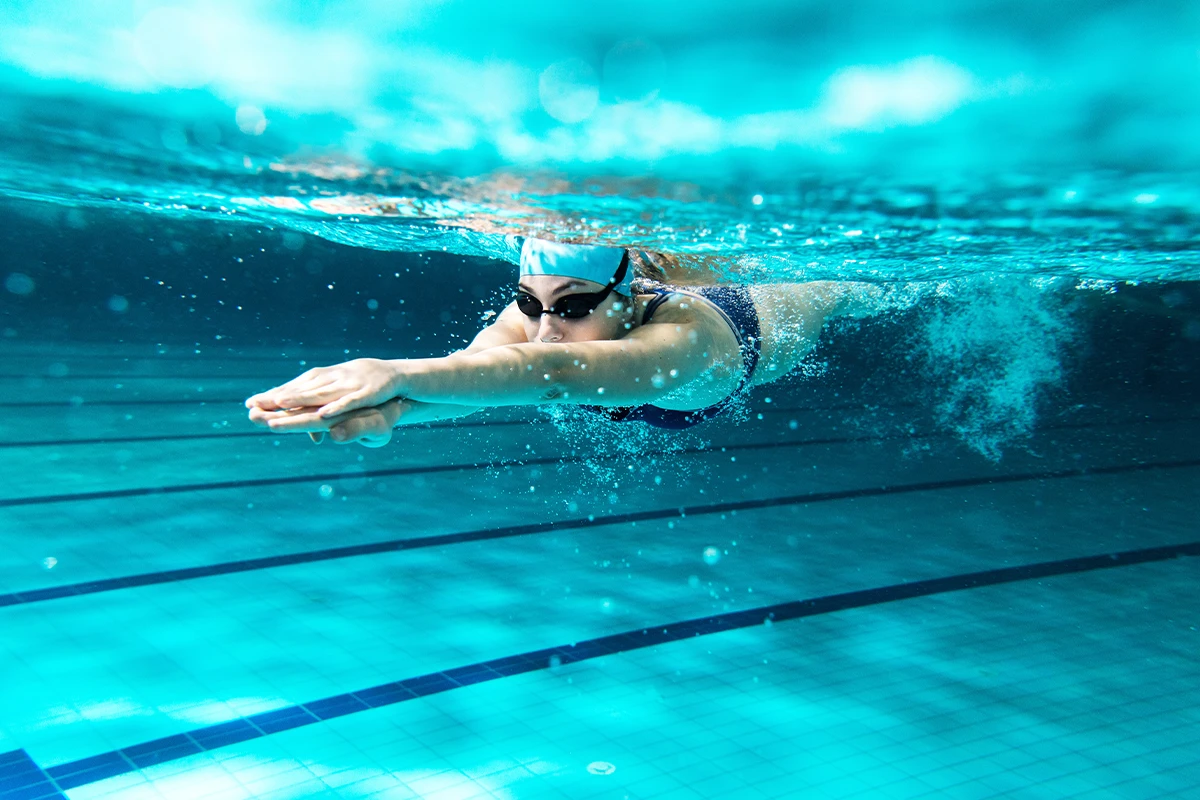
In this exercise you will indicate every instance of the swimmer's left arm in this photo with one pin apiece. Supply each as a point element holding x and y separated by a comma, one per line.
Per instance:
<point>639,368</point>
<point>647,364</point>
<point>371,426</point>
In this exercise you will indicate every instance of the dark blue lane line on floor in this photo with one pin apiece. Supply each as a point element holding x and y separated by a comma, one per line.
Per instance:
<point>461,424</point>
<point>154,358</point>
<point>22,779</point>
<point>240,401</point>
<point>181,437</point>
<point>249,483</point>
<point>184,437</point>
<point>202,740</point>
<point>485,534</point>
<point>144,491</point>
<point>124,376</point>
<point>172,401</point>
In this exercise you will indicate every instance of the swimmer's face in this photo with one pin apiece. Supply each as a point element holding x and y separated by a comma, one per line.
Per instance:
<point>606,322</point>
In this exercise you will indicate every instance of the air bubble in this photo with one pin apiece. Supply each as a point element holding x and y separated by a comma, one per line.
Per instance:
<point>20,284</point>
<point>250,120</point>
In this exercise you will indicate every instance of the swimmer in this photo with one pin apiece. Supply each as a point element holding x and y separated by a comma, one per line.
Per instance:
<point>580,331</point>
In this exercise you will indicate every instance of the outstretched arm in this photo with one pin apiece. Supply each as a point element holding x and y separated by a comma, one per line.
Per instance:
<point>372,426</point>
<point>643,367</point>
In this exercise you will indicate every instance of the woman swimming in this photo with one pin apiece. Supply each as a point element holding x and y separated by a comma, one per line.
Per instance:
<point>580,331</point>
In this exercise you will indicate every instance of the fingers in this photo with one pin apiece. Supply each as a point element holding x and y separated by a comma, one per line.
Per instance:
<point>371,426</point>
<point>285,395</point>
<point>367,427</point>
<point>295,421</point>
<point>260,400</point>
<point>265,400</point>
<point>350,402</point>
<point>308,394</point>
<point>265,419</point>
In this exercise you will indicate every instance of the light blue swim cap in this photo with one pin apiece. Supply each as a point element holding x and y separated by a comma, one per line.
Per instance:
<point>584,261</point>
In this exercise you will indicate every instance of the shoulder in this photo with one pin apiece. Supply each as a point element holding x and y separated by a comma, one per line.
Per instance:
<point>682,306</point>
<point>685,314</point>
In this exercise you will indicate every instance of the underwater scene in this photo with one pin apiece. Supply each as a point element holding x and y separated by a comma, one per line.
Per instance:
<point>643,401</point>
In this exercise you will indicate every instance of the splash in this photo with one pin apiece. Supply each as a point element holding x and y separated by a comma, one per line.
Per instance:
<point>993,352</point>
<point>615,452</point>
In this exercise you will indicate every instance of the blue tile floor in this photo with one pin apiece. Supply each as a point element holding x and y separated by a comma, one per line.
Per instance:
<point>1077,684</point>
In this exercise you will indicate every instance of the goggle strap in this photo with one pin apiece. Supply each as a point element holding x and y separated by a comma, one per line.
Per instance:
<point>621,270</point>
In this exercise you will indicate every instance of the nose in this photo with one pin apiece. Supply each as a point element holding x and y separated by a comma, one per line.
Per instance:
<point>549,328</point>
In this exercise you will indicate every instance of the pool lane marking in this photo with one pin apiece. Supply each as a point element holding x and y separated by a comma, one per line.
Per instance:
<point>277,434</point>
<point>186,437</point>
<point>156,358</point>
<point>239,401</point>
<point>535,528</point>
<point>180,437</point>
<point>431,425</point>
<point>22,779</point>
<point>125,376</point>
<point>202,740</point>
<point>145,491</point>
<point>172,401</point>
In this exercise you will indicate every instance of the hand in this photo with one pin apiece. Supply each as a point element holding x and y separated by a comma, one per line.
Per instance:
<point>370,427</point>
<point>361,383</point>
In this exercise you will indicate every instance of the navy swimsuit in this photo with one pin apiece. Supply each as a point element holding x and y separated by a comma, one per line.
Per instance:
<point>735,305</point>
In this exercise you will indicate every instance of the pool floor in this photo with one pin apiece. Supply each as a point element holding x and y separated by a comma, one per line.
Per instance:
<point>833,600</point>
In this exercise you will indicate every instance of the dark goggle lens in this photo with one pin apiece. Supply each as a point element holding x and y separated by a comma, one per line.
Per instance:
<point>572,306</point>
<point>529,305</point>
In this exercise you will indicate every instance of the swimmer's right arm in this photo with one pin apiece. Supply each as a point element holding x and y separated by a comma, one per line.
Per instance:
<point>367,426</point>
<point>373,427</point>
<point>507,329</point>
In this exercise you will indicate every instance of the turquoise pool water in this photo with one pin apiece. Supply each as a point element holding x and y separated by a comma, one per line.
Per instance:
<point>953,555</point>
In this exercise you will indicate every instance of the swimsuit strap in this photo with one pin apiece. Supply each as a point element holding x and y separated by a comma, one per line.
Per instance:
<point>737,308</point>
<point>660,296</point>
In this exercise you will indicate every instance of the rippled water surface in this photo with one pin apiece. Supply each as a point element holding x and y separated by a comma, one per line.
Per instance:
<point>804,142</point>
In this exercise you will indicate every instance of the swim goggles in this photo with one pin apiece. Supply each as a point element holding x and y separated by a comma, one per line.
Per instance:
<point>572,306</point>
